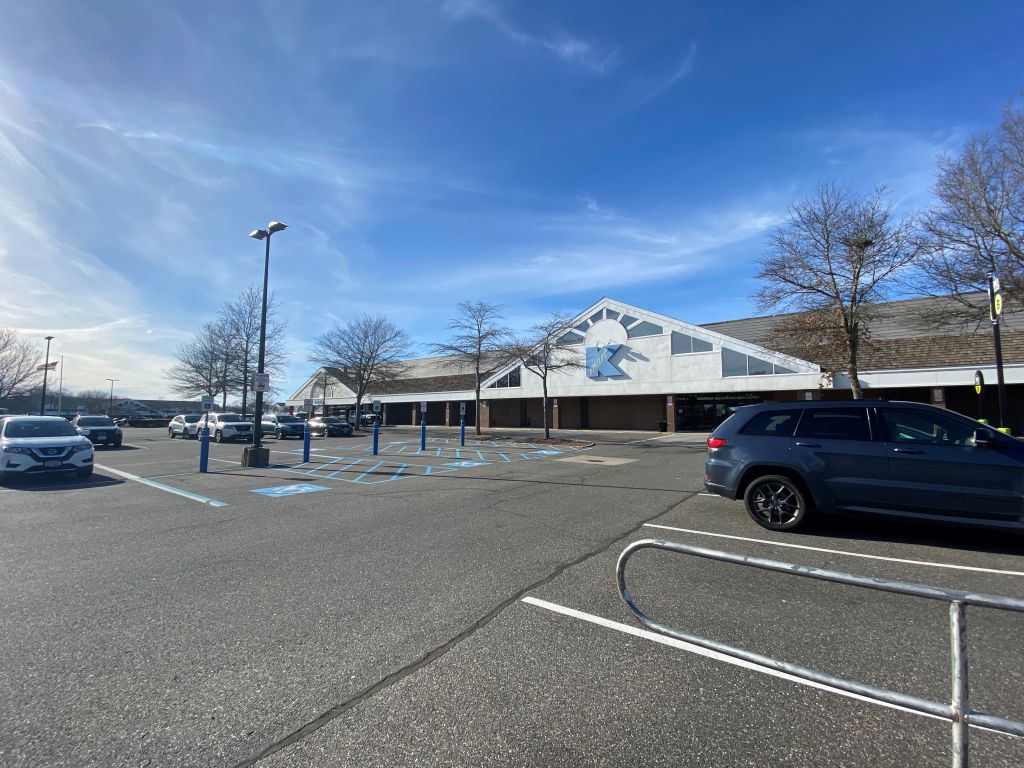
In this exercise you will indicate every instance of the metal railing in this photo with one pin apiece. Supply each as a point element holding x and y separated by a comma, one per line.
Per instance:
<point>957,712</point>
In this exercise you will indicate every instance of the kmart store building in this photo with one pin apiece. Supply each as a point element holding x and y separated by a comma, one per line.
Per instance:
<point>639,370</point>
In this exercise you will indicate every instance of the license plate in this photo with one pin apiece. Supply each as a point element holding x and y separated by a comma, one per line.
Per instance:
<point>51,463</point>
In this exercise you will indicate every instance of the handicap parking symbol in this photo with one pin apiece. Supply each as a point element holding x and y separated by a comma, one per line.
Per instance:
<point>466,464</point>
<point>297,489</point>
<point>547,453</point>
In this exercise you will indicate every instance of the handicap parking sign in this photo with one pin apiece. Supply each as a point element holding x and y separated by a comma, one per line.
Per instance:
<point>297,489</point>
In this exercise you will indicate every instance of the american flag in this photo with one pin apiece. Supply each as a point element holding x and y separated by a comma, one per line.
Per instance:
<point>47,366</point>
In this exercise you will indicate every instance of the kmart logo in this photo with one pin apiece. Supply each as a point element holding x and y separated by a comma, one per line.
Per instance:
<point>599,361</point>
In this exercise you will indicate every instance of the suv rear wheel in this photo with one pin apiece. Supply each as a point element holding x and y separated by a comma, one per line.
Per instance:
<point>776,502</point>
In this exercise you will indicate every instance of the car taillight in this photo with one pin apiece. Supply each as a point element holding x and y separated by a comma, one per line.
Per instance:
<point>716,442</point>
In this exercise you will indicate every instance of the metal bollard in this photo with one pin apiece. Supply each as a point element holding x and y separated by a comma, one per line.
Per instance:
<point>376,436</point>
<point>204,448</point>
<point>305,442</point>
<point>423,433</point>
<point>462,432</point>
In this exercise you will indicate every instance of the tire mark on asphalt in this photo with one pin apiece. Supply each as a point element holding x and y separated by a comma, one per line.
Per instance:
<point>441,650</point>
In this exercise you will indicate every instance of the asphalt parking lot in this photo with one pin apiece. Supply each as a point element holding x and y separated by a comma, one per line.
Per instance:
<point>457,606</point>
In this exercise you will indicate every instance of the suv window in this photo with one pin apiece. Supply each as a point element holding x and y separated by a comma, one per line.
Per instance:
<point>912,426</point>
<point>835,424</point>
<point>772,424</point>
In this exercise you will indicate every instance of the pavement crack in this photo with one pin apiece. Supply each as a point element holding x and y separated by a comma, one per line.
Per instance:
<point>441,650</point>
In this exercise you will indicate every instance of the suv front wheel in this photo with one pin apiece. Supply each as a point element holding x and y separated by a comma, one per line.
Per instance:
<point>776,502</point>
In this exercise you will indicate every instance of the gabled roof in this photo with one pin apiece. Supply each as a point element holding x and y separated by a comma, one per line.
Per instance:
<point>632,317</point>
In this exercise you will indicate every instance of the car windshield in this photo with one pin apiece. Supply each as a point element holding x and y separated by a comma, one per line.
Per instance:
<point>38,428</point>
<point>192,418</point>
<point>229,417</point>
<point>95,421</point>
<point>289,419</point>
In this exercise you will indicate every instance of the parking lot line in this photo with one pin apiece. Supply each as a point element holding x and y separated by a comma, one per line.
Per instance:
<point>706,652</point>
<point>927,563</point>
<point>162,487</point>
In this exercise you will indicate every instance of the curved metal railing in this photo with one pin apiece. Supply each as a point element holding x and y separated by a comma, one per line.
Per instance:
<point>957,712</point>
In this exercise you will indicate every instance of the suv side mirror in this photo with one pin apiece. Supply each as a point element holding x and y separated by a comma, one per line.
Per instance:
<point>983,438</point>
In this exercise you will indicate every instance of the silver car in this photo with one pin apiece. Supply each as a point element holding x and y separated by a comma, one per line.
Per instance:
<point>228,426</point>
<point>185,425</point>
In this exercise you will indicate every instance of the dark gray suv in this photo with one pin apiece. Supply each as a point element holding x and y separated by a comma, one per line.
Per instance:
<point>789,460</point>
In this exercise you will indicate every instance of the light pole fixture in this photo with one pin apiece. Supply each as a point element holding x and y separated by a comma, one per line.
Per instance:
<point>258,457</point>
<point>110,408</point>
<point>46,370</point>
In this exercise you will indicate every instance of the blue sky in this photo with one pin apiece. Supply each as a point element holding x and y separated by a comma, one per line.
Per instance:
<point>426,152</point>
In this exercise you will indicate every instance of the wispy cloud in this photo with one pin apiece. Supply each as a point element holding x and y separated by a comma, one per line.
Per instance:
<point>562,44</point>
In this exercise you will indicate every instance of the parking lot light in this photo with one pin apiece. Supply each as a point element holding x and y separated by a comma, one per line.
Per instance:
<point>258,457</point>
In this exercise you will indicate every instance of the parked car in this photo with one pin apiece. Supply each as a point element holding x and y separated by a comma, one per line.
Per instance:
<point>789,461</point>
<point>101,430</point>
<point>185,425</point>
<point>282,425</point>
<point>329,426</point>
<point>32,445</point>
<point>228,426</point>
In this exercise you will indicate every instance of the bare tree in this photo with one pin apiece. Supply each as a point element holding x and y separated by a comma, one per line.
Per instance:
<point>240,320</point>
<point>18,360</point>
<point>365,354</point>
<point>835,256</point>
<point>977,224</point>
<point>476,342</point>
<point>539,353</point>
<point>203,364</point>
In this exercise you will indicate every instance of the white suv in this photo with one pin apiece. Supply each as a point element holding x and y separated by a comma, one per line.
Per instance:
<point>228,426</point>
<point>185,425</point>
<point>31,445</point>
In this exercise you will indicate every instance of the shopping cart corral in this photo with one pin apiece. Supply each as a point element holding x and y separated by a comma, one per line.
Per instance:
<point>957,712</point>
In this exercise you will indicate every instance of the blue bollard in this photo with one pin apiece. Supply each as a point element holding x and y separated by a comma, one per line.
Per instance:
<point>204,448</point>
<point>423,433</point>
<point>462,432</point>
<point>305,443</point>
<point>376,437</point>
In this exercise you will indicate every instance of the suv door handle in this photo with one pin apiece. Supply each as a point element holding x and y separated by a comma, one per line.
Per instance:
<point>907,450</point>
<point>804,444</point>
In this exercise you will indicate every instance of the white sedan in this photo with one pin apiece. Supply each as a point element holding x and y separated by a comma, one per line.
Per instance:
<point>31,445</point>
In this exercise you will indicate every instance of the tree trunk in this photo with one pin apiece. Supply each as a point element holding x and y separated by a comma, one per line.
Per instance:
<point>547,428</point>
<point>851,367</point>
<point>477,422</point>
<point>359,412</point>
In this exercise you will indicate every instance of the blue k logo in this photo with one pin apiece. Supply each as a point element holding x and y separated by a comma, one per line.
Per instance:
<point>599,361</point>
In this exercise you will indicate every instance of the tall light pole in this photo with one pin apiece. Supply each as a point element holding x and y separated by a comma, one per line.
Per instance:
<point>46,370</point>
<point>258,459</point>
<point>110,408</point>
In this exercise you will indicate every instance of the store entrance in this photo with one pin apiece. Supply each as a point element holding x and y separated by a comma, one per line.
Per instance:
<point>699,413</point>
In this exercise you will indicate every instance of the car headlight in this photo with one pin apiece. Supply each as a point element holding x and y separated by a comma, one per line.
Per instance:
<point>15,449</point>
<point>78,448</point>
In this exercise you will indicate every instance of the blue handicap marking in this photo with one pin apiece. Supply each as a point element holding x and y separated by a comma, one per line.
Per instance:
<point>547,453</point>
<point>279,491</point>
<point>467,463</point>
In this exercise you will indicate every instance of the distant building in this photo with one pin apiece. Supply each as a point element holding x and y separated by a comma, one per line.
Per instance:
<point>643,370</point>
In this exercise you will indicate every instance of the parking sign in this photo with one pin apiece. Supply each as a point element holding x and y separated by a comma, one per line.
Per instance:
<point>207,402</point>
<point>260,382</point>
<point>423,406</point>
<point>462,409</point>
<point>376,406</point>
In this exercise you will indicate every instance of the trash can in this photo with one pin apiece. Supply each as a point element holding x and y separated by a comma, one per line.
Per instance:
<point>663,426</point>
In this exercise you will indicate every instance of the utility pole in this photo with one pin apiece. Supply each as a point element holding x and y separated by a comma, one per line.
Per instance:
<point>995,311</point>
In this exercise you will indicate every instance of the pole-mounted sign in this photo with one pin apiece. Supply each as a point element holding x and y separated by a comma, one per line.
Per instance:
<point>979,381</point>
<point>376,406</point>
<point>423,406</point>
<point>462,409</point>
<point>207,402</point>
<point>260,382</point>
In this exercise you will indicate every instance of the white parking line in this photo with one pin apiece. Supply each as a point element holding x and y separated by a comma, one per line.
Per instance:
<point>708,653</point>
<point>162,487</point>
<point>927,563</point>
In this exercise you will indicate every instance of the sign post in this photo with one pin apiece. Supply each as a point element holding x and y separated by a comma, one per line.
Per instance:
<point>423,425</point>
<point>462,424</point>
<point>979,385</point>
<point>995,311</point>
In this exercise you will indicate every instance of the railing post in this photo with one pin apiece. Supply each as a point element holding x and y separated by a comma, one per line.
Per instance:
<point>958,657</point>
<point>306,435</point>
<point>204,448</point>
<point>376,436</point>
